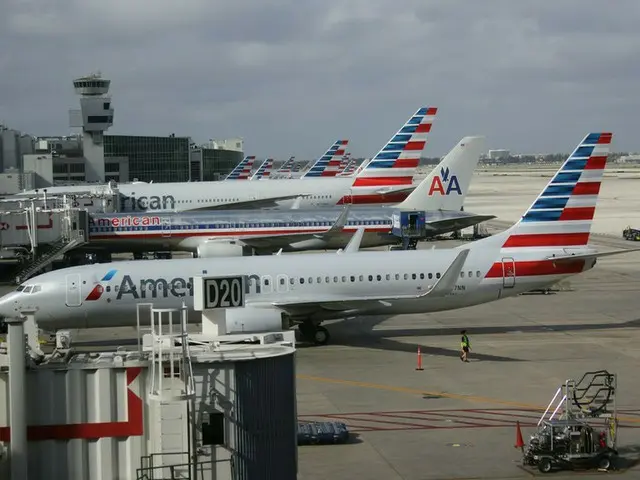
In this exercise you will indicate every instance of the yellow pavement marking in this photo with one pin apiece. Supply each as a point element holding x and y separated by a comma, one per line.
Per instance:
<point>456,396</point>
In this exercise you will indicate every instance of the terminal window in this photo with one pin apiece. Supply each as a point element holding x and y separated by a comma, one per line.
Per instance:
<point>213,431</point>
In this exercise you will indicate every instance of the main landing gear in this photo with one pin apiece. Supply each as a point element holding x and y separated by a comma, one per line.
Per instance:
<point>314,333</point>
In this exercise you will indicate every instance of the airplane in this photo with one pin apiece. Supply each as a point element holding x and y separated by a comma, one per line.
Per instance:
<point>548,243</point>
<point>242,171</point>
<point>264,170</point>
<point>439,198</point>
<point>387,179</point>
<point>329,164</point>
<point>286,169</point>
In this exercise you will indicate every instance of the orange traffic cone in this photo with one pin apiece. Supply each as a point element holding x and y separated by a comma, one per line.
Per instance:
<point>419,367</point>
<point>519,441</point>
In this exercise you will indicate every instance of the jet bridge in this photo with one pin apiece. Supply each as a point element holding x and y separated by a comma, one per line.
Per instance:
<point>34,236</point>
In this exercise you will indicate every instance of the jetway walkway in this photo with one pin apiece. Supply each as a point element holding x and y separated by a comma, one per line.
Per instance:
<point>33,237</point>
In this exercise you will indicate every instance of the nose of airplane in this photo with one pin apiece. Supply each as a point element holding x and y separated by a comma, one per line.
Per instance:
<point>9,305</point>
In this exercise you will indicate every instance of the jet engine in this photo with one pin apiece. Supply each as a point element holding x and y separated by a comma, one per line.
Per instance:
<point>256,319</point>
<point>223,249</point>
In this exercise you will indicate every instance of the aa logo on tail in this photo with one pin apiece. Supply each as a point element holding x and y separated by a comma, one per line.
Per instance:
<point>445,183</point>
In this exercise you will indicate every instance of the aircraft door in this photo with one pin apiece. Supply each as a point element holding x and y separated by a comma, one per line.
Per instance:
<point>74,291</point>
<point>508,272</point>
<point>166,227</point>
<point>282,283</point>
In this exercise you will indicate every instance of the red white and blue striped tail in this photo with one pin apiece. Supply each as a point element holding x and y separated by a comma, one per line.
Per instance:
<point>243,169</point>
<point>328,165</point>
<point>264,170</point>
<point>287,166</point>
<point>563,213</point>
<point>398,160</point>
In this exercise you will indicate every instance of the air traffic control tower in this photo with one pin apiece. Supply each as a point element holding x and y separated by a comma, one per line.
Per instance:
<point>95,117</point>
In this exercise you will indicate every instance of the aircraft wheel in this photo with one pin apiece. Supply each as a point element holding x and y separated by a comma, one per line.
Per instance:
<point>321,336</point>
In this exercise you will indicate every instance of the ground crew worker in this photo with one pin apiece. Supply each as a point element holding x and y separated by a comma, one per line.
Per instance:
<point>465,346</point>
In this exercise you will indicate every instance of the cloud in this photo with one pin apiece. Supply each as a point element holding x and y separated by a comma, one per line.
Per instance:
<point>290,76</point>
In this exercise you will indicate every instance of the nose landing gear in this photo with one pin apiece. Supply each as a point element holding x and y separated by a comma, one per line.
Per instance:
<point>314,333</point>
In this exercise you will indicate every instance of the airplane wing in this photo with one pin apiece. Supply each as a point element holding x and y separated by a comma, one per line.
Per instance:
<point>351,305</point>
<point>267,241</point>
<point>250,204</point>
<point>450,224</point>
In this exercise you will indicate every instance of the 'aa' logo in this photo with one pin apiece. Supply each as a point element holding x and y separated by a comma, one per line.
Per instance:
<point>444,184</point>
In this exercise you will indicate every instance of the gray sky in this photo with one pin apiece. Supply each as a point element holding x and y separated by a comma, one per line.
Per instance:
<point>291,76</point>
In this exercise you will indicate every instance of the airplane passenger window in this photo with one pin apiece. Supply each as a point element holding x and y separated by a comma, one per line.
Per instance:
<point>353,278</point>
<point>292,280</point>
<point>422,276</point>
<point>319,280</point>
<point>437,275</point>
<point>282,281</point>
<point>379,277</point>
<point>470,274</point>
<point>406,276</point>
<point>344,279</point>
<point>266,281</point>
<point>430,276</point>
<point>397,276</point>
<point>388,277</point>
<point>371,278</point>
<point>310,280</point>
<point>413,275</point>
<point>335,279</point>
<point>461,274</point>
<point>301,280</point>
<point>478,274</point>
<point>361,278</point>
<point>327,279</point>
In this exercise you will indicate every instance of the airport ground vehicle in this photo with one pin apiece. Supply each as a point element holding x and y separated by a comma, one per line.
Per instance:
<point>582,436</point>
<point>632,234</point>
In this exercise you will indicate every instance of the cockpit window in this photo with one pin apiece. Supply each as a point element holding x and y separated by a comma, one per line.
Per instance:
<point>20,288</point>
<point>28,289</point>
<point>36,288</point>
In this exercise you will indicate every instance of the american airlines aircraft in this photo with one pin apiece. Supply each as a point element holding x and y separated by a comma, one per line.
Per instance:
<point>387,179</point>
<point>548,244</point>
<point>439,197</point>
<point>242,171</point>
<point>264,170</point>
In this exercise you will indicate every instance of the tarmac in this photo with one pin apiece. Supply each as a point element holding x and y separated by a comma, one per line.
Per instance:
<point>455,420</point>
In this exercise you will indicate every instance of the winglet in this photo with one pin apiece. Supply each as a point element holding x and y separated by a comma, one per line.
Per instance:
<point>448,281</point>
<point>354,244</point>
<point>340,222</point>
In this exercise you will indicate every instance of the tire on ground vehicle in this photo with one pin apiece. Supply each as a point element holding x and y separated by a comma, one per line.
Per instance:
<point>544,465</point>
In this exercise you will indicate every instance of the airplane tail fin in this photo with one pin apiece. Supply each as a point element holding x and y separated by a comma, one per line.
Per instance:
<point>287,166</point>
<point>447,186</point>
<point>243,169</point>
<point>264,170</point>
<point>328,164</point>
<point>398,160</point>
<point>562,215</point>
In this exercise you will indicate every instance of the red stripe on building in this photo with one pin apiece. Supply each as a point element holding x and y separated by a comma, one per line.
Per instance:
<point>578,213</point>
<point>415,146</point>
<point>547,239</point>
<point>605,138</point>
<point>423,128</point>
<point>382,181</point>
<point>132,427</point>
<point>596,163</point>
<point>536,268</point>
<point>586,188</point>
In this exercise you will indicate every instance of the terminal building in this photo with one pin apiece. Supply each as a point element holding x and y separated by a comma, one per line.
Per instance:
<point>92,156</point>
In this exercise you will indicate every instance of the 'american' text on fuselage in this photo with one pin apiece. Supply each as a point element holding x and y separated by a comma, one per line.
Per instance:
<point>143,203</point>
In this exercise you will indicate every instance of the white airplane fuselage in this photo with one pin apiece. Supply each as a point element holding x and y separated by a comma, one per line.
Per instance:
<point>104,295</point>
<point>170,197</point>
